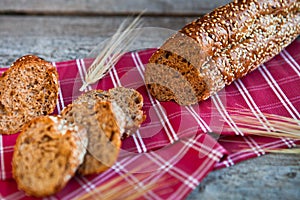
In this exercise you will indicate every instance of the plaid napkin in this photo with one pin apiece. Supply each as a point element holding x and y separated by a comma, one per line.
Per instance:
<point>172,148</point>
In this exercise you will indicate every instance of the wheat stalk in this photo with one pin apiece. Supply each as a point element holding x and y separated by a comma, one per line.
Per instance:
<point>295,150</point>
<point>132,184</point>
<point>278,126</point>
<point>112,51</point>
<point>118,188</point>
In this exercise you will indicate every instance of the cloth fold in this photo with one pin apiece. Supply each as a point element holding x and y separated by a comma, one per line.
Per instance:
<point>176,140</point>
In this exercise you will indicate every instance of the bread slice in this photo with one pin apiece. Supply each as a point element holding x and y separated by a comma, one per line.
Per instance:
<point>103,134</point>
<point>127,103</point>
<point>47,153</point>
<point>29,88</point>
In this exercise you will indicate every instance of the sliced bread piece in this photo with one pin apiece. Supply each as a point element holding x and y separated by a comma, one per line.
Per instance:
<point>29,88</point>
<point>103,134</point>
<point>47,154</point>
<point>126,102</point>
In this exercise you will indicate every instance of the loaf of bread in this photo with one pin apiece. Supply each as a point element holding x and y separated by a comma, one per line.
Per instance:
<point>47,154</point>
<point>29,88</point>
<point>222,46</point>
<point>103,134</point>
<point>126,102</point>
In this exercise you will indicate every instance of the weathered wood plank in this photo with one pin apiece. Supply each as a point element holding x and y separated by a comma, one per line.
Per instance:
<point>65,37</point>
<point>79,26</point>
<point>273,176</point>
<point>111,7</point>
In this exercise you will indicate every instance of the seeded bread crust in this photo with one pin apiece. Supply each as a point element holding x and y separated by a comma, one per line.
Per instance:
<point>47,154</point>
<point>29,88</point>
<point>103,134</point>
<point>127,105</point>
<point>224,45</point>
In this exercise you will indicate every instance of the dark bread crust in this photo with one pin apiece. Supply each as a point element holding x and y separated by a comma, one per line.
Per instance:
<point>47,154</point>
<point>29,88</point>
<point>220,47</point>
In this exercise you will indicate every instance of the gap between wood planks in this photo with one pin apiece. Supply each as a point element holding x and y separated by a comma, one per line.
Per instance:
<point>94,13</point>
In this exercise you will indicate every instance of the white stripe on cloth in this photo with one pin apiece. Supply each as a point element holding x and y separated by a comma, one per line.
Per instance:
<point>240,155</point>
<point>120,168</point>
<point>95,181</point>
<point>15,195</point>
<point>7,149</point>
<point>142,145</point>
<point>192,180</point>
<point>84,183</point>
<point>3,176</point>
<point>204,149</point>
<point>252,105</point>
<point>116,75</point>
<point>253,144</point>
<point>113,79</point>
<point>82,74</point>
<point>188,179</point>
<point>290,60</point>
<point>257,112</point>
<point>169,166</point>
<point>228,162</point>
<point>60,101</point>
<point>276,144</point>
<point>172,136</point>
<point>203,125</point>
<point>139,143</point>
<point>222,110</point>
<point>289,142</point>
<point>136,142</point>
<point>279,93</point>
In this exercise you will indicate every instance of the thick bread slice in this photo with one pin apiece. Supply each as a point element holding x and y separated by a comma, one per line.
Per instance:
<point>127,105</point>
<point>47,154</point>
<point>29,88</point>
<point>103,134</point>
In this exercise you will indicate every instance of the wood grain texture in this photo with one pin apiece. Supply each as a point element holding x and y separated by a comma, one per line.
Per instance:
<point>61,37</point>
<point>273,176</point>
<point>110,7</point>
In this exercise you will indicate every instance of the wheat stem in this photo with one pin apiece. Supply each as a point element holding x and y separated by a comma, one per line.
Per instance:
<point>112,51</point>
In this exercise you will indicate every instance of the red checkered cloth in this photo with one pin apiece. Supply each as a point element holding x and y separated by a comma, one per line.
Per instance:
<point>172,148</point>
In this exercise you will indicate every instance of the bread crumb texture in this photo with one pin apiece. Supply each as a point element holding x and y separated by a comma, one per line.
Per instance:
<point>29,88</point>
<point>126,103</point>
<point>103,134</point>
<point>45,157</point>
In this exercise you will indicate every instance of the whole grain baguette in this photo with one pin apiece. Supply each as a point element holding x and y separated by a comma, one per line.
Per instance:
<point>47,154</point>
<point>103,134</point>
<point>29,88</point>
<point>127,105</point>
<point>224,45</point>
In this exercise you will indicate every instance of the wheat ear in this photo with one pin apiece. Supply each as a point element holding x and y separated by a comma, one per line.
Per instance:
<point>112,51</point>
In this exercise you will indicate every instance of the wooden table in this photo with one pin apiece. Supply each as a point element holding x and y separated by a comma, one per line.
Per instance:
<point>62,30</point>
